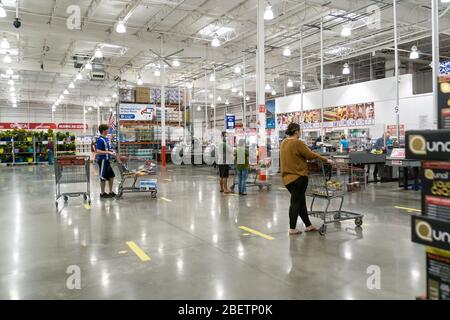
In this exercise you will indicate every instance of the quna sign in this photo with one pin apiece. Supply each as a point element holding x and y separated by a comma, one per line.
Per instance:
<point>428,145</point>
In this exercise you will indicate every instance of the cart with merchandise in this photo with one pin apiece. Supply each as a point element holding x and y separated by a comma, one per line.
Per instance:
<point>257,176</point>
<point>138,170</point>
<point>330,183</point>
<point>70,170</point>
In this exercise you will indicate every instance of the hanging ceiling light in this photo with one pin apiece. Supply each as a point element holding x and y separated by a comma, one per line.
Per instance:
<point>290,83</point>
<point>237,70</point>
<point>98,53</point>
<point>12,89</point>
<point>120,27</point>
<point>346,31</point>
<point>57,103</point>
<point>2,11</point>
<point>268,87</point>
<point>66,91</point>
<point>234,89</point>
<point>9,72</point>
<point>346,69</point>
<point>227,102</point>
<point>139,81</point>
<point>274,93</point>
<point>215,42</point>
<point>114,95</point>
<point>79,76</point>
<point>210,96</point>
<point>100,104</point>
<point>157,73</point>
<point>61,97</point>
<point>176,63</point>
<point>107,99</point>
<point>14,105</point>
<point>199,108</point>
<point>268,13</point>
<point>241,94</point>
<point>88,65</point>
<point>414,52</point>
<point>4,44</point>
<point>11,82</point>
<point>7,58</point>
<point>13,94</point>
<point>110,109</point>
<point>219,99</point>
<point>189,85</point>
<point>71,85</point>
<point>213,105</point>
<point>287,52</point>
<point>247,98</point>
<point>212,78</point>
<point>90,109</point>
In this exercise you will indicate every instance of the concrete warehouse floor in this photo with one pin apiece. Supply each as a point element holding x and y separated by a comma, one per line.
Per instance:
<point>198,251</point>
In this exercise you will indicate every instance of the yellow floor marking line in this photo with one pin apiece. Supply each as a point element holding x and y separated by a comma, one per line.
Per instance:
<point>87,206</point>
<point>165,199</point>
<point>408,209</point>
<point>138,251</point>
<point>123,252</point>
<point>262,235</point>
<point>246,234</point>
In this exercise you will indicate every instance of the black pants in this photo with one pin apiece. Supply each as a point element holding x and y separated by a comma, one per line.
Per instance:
<point>297,190</point>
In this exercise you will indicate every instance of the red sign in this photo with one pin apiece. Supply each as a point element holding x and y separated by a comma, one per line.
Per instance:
<point>398,153</point>
<point>17,125</point>
<point>392,130</point>
<point>72,126</point>
<point>262,108</point>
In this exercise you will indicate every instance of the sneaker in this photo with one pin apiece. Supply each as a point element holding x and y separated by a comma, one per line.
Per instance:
<point>105,196</point>
<point>112,194</point>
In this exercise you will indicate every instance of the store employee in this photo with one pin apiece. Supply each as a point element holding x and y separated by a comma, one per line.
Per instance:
<point>104,153</point>
<point>344,144</point>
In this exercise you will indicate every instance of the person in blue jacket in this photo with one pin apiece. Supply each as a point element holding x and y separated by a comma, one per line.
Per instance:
<point>104,154</point>
<point>344,144</point>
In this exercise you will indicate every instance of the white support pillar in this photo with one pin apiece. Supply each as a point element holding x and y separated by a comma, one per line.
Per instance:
<point>185,114</point>
<point>244,112</point>
<point>214,100</point>
<point>397,78</point>
<point>322,133</point>
<point>206,99</point>
<point>179,106</point>
<point>84,116</point>
<point>98,116</point>
<point>301,83</point>
<point>436,59</point>
<point>163,105</point>
<point>260,81</point>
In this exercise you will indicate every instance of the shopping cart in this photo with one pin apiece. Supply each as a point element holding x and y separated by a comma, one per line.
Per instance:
<point>72,170</point>
<point>138,170</point>
<point>330,183</point>
<point>253,180</point>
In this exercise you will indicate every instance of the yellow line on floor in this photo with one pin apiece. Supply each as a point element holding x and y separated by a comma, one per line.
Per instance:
<point>262,235</point>
<point>138,251</point>
<point>165,199</point>
<point>408,209</point>
<point>87,206</point>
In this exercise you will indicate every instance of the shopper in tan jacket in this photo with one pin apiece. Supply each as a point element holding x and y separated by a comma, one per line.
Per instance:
<point>294,173</point>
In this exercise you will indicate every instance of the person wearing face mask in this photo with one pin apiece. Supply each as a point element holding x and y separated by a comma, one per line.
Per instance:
<point>294,155</point>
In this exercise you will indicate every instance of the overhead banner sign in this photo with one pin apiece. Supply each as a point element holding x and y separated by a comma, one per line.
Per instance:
<point>136,112</point>
<point>30,126</point>
<point>72,126</point>
<point>231,121</point>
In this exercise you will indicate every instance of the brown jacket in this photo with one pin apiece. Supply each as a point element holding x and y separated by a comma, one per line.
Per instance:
<point>293,156</point>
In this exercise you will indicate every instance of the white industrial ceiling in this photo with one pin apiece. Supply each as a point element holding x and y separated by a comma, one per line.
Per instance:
<point>44,60</point>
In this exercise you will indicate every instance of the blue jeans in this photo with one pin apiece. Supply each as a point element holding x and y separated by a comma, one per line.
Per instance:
<point>242,180</point>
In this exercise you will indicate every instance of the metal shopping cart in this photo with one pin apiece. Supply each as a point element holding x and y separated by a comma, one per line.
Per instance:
<point>72,170</point>
<point>138,170</point>
<point>252,180</point>
<point>328,183</point>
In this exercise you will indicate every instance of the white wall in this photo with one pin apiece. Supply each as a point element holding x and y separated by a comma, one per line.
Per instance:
<point>416,111</point>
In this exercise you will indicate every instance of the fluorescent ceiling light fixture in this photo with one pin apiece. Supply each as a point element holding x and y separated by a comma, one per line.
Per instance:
<point>79,76</point>
<point>100,104</point>
<point>110,110</point>
<point>2,11</point>
<point>215,42</point>
<point>61,97</point>
<point>234,90</point>
<point>140,82</point>
<point>346,31</point>
<point>189,85</point>
<point>120,27</point>
<point>4,44</point>
<point>227,102</point>
<point>346,69</point>
<point>90,109</point>
<point>268,87</point>
<point>287,52</point>
<point>66,91</point>
<point>7,58</point>
<point>98,53</point>
<point>11,82</point>
<point>268,13</point>
<point>237,70</point>
<point>210,96</point>
<point>88,66</point>
<point>157,73</point>
<point>9,72</point>
<point>414,52</point>
<point>247,98</point>
<point>213,105</point>
<point>241,94</point>
<point>176,63</point>
<point>290,83</point>
<point>274,93</point>
<point>107,99</point>
<point>14,105</point>
<point>219,98</point>
<point>114,95</point>
<point>71,85</point>
<point>212,78</point>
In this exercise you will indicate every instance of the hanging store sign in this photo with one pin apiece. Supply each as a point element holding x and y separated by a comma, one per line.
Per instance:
<point>136,112</point>
<point>428,145</point>
<point>72,126</point>
<point>30,126</point>
<point>230,121</point>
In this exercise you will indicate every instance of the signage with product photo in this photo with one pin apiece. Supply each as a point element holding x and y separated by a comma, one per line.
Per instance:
<point>430,232</point>
<point>136,112</point>
<point>230,121</point>
<point>428,145</point>
<point>438,274</point>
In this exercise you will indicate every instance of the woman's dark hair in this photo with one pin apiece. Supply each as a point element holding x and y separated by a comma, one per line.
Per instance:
<point>292,129</point>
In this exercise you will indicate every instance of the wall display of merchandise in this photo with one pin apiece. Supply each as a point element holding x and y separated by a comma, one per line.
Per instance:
<point>432,228</point>
<point>65,144</point>
<point>361,114</point>
<point>83,145</point>
<point>150,95</point>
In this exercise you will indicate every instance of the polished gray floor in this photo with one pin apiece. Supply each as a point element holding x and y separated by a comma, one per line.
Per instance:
<point>196,247</point>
